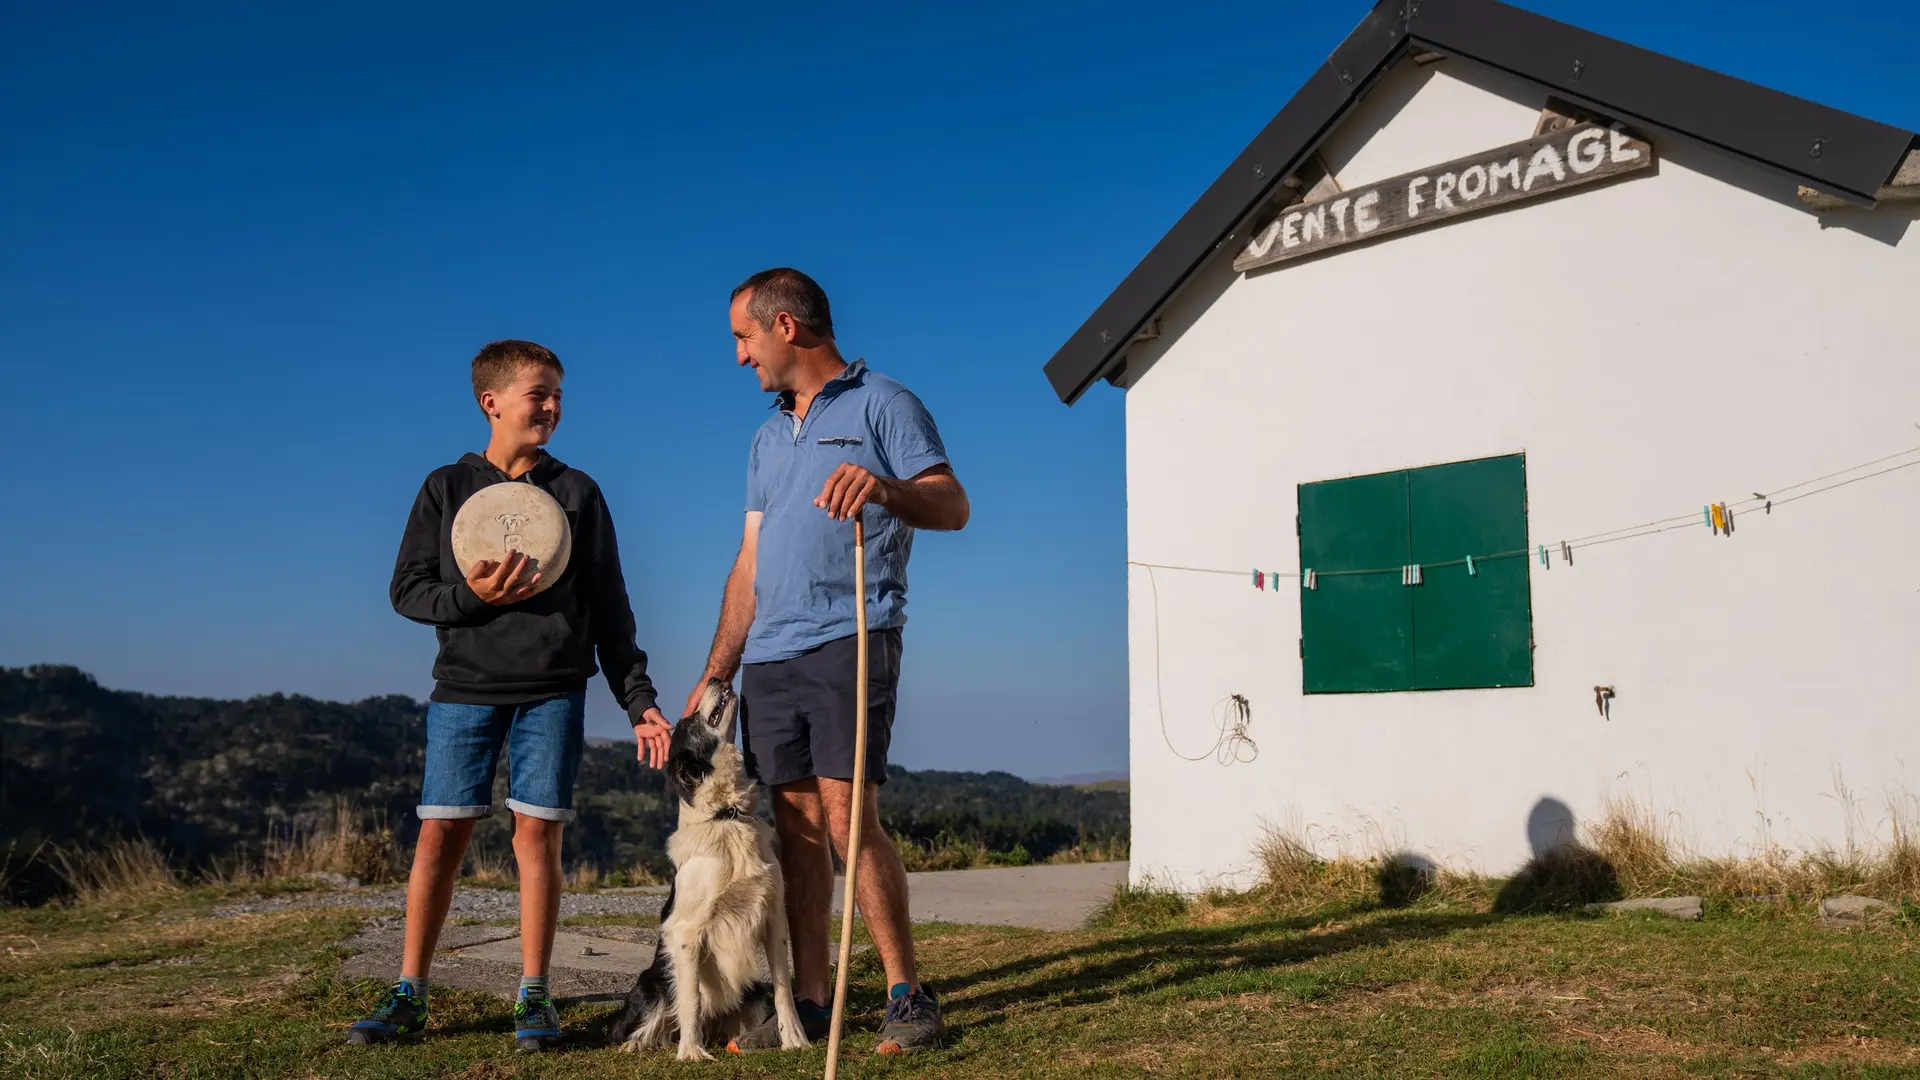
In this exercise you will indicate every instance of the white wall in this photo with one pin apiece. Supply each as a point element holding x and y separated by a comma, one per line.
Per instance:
<point>1686,336</point>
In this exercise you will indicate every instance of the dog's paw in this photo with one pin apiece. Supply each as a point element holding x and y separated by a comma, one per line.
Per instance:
<point>793,1036</point>
<point>630,1046</point>
<point>693,1052</point>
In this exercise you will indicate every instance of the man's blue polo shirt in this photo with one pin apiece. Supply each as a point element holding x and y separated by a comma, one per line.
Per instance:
<point>803,580</point>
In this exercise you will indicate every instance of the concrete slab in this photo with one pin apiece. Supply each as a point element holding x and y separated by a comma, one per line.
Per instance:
<point>486,959</point>
<point>576,952</point>
<point>1043,897</point>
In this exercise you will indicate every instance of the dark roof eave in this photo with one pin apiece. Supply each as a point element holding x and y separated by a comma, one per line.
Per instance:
<point>1836,152</point>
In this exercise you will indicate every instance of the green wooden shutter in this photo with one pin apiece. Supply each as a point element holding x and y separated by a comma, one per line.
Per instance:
<point>1357,631</point>
<point>1471,631</point>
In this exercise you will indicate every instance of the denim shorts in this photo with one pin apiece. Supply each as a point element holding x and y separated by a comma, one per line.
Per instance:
<point>543,740</point>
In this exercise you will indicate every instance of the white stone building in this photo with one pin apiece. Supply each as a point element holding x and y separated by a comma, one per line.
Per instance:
<point>1699,292</point>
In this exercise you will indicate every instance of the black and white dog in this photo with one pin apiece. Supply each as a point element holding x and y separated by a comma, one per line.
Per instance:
<point>727,903</point>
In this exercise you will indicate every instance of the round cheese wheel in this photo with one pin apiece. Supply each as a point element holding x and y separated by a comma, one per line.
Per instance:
<point>513,516</point>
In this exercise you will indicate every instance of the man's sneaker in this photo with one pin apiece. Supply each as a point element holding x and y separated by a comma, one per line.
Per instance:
<point>913,1023</point>
<point>402,1013</point>
<point>536,1026</point>
<point>814,1021</point>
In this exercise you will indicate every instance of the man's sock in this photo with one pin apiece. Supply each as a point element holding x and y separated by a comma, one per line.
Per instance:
<point>418,982</point>
<point>898,991</point>
<point>535,983</point>
<point>810,1009</point>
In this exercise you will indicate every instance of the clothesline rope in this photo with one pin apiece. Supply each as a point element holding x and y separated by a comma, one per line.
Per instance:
<point>1690,520</point>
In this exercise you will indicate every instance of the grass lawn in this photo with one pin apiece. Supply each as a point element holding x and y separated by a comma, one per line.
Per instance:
<point>161,989</point>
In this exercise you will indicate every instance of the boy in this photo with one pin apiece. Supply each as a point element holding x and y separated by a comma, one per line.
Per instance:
<point>512,670</point>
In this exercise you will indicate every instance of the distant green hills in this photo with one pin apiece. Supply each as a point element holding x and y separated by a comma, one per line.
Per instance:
<point>212,779</point>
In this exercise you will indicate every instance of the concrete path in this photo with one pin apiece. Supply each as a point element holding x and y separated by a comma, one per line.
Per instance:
<point>599,962</point>
<point>1042,897</point>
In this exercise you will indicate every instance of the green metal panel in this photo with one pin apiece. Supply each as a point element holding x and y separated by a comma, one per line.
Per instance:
<point>1357,631</point>
<point>1471,631</point>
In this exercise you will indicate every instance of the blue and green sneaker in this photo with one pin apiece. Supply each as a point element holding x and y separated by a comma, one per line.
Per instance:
<point>401,1014</point>
<point>536,1026</point>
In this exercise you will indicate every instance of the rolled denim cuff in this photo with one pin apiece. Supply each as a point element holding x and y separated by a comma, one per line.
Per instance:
<point>451,813</point>
<point>544,813</point>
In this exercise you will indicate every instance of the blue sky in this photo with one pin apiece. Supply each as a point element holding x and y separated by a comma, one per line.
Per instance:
<point>252,248</point>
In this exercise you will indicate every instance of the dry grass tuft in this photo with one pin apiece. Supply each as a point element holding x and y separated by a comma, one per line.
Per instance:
<point>1293,875</point>
<point>492,868</point>
<point>1884,863</point>
<point>120,872</point>
<point>587,877</point>
<point>354,844</point>
<point>1630,851</point>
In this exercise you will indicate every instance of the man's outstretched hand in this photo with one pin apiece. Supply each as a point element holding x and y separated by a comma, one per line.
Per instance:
<point>654,735</point>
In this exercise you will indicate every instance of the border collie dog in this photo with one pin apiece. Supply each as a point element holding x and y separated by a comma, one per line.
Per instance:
<point>727,904</point>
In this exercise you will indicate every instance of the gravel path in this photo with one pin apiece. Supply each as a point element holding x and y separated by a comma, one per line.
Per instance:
<point>467,903</point>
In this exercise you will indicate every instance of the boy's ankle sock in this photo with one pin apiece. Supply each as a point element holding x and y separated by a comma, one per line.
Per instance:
<point>418,982</point>
<point>536,983</point>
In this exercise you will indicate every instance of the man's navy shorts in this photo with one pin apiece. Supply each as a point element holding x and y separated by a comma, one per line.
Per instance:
<point>796,715</point>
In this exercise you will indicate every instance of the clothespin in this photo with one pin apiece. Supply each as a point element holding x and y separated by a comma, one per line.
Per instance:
<point>1471,572</point>
<point>1727,513</point>
<point>1719,522</point>
<point>1543,557</point>
<point>1259,580</point>
<point>1416,573</point>
<point>1766,500</point>
<point>1566,552</point>
<point>1708,511</point>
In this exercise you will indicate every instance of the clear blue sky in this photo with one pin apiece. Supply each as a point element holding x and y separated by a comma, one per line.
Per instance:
<point>250,251</point>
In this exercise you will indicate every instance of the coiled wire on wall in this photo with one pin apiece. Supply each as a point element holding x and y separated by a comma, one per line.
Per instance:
<point>1232,714</point>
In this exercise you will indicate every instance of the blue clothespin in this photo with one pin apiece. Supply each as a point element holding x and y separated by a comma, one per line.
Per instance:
<point>1708,511</point>
<point>1309,579</point>
<point>1543,557</point>
<point>1471,572</point>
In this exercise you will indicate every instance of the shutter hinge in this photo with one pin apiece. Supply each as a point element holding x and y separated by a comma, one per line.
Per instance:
<point>1303,648</point>
<point>1296,525</point>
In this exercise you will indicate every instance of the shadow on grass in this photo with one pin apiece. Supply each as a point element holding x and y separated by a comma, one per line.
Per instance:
<point>1170,961</point>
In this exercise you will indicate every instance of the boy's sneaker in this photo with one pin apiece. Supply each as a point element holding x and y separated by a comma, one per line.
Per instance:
<point>402,1013</point>
<point>536,1026</point>
<point>913,1023</point>
<point>815,1021</point>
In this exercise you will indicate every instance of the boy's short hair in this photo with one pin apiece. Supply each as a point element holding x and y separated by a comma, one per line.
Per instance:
<point>496,365</point>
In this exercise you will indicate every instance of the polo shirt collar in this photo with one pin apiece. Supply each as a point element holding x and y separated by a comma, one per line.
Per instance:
<point>849,377</point>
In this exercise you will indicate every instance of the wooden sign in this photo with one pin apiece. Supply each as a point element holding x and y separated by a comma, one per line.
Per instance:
<point>1526,170</point>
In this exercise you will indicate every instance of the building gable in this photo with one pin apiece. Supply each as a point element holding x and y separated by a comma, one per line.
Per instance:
<point>1832,155</point>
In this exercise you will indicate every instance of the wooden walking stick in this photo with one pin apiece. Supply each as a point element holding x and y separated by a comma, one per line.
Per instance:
<point>859,793</point>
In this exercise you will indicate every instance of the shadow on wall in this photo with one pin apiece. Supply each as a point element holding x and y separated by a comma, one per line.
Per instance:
<point>1562,873</point>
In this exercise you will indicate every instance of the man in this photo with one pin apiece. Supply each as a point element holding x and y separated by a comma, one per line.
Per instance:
<point>843,441</point>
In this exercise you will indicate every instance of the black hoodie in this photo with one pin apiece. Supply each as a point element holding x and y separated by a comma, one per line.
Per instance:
<point>544,645</point>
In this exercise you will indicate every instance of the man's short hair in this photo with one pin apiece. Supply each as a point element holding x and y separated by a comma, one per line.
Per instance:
<point>786,289</point>
<point>497,364</point>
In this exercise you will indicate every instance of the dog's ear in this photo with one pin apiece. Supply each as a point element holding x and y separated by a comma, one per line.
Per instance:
<point>687,771</point>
